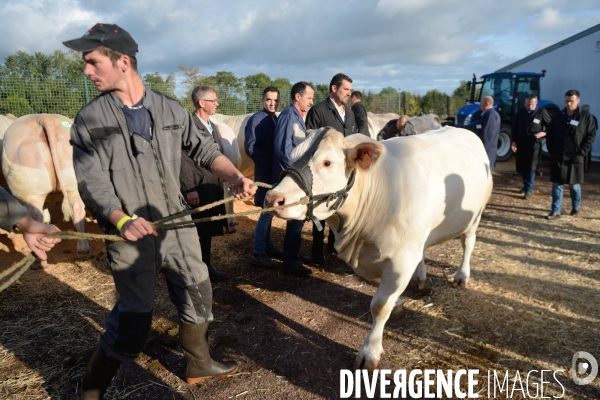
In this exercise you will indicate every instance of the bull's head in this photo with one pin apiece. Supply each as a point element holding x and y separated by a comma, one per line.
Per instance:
<point>324,168</point>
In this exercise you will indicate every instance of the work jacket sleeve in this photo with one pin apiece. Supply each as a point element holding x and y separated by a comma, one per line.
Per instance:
<point>190,176</point>
<point>94,185</point>
<point>11,211</point>
<point>360,115</point>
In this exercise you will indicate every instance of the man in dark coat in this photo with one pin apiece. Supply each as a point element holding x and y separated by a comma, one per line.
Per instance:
<point>527,133</point>
<point>360,113</point>
<point>570,137</point>
<point>332,112</point>
<point>258,143</point>
<point>396,128</point>
<point>488,129</point>
<point>199,185</point>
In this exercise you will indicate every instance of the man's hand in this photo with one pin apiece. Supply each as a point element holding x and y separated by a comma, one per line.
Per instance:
<point>513,147</point>
<point>241,188</point>
<point>193,199</point>
<point>35,233</point>
<point>135,229</point>
<point>540,135</point>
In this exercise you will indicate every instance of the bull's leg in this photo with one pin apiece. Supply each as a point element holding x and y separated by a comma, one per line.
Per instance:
<point>393,282</point>
<point>461,278</point>
<point>79,221</point>
<point>35,207</point>
<point>420,274</point>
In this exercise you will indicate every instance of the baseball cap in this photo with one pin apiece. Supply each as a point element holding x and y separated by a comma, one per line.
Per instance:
<point>108,35</point>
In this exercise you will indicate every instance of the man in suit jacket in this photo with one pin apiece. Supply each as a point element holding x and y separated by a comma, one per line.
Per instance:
<point>488,129</point>
<point>199,185</point>
<point>360,112</point>
<point>332,112</point>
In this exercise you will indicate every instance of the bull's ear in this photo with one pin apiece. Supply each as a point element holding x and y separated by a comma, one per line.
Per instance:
<point>364,154</point>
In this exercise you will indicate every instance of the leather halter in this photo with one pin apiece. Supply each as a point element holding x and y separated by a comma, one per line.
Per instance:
<point>300,169</point>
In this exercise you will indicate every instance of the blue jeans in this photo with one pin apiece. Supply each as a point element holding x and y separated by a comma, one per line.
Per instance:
<point>557,195</point>
<point>528,179</point>
<point>262,234</point>
<point>291,242</point>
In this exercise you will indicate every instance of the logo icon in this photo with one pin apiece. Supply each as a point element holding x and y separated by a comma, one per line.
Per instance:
<point>65,124</point>
<point>582,367</point>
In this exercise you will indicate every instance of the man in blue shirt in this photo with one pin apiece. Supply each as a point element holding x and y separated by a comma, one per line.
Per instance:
<point>290,120</point>
<point>488,129</point>
<point>258,144</point>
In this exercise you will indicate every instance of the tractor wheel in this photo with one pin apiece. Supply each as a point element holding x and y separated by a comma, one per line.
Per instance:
<point>504,141</point>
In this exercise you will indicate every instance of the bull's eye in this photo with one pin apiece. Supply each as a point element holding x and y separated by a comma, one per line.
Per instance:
<point>327,164</point>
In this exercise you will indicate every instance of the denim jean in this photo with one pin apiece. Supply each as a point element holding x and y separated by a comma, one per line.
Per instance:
<point>528,179</point>
<point>557,195</point>
<point>291,242</point>
<point>262,234</point>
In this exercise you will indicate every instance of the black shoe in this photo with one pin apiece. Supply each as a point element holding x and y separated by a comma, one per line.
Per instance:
<point>274,253</point>
<point>522,190</point>
<point>295,268</point>
<point>575,212</point>
<point>527,196</point>
<point>214,274</point>
<point>331,249</point>
<point>553,216</point>
<point>318,259</point>
<point>100,371</point>
<point>517,174</point>
<point>538,173</point>
<point>263,260</point>
<point>303,260</point>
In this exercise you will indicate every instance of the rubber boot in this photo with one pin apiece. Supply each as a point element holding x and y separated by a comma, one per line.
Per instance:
<point>214,274</point>
<point>193,339</point>
<point>100,371</point>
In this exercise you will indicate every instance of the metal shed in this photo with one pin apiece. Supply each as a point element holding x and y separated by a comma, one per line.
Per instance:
<point>573,63</point>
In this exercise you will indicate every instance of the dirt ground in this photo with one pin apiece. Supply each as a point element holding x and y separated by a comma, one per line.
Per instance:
<point>532,302</point>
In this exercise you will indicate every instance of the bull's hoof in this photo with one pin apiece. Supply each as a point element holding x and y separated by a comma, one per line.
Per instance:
<point>461,281</point>
<point>421,284</point>
<point>231,228</point>
<point>39,264</point>
<point>84,254</point>
<point>397,311</point>
<point>362,363</point>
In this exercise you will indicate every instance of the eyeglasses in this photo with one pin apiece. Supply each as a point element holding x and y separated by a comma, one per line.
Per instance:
<point>216,101</point>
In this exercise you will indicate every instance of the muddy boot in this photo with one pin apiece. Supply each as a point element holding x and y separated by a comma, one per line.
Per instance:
<point>193,339</point>
<point>100,371</point>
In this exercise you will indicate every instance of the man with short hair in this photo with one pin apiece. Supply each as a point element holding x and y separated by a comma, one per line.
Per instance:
<point>290,121</point>
<point>258,143</point>
<point>198,184</point>
<point>528,130</point>
<point>127,146</point>
<point>570,136</point>
<point>488,128</point>
<point>333,112</point>
<point>360,112</point>
<point>397,128</point>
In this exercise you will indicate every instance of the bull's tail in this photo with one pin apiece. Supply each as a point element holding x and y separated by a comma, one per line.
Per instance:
<point>47,123</point>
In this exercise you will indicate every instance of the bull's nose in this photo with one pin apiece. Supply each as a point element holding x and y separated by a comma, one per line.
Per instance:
<point>274,199</point>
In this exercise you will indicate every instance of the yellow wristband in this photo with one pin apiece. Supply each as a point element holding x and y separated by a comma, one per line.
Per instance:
<point>122,222</point>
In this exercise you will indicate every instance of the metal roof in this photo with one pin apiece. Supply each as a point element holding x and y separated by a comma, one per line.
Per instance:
<point>549,49</point>
<point>513,73</point>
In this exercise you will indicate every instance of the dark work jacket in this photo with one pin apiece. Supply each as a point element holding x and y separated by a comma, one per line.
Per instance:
<point>208,186</point>
<point>568,145</point>
<point>529,149</point>
<point>488,130</point>
<point>258,144</point>
<point>360,115</point>
<point>390,130</point>
<point>325,114</point>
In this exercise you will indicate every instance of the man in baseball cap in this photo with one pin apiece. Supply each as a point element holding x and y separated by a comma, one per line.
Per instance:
<point>108,35</point>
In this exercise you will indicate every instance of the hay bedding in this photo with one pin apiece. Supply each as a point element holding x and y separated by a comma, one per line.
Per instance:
<point>531,303</point>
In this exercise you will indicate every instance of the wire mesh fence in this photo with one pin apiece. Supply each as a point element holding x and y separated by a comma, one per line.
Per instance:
<point>67,96</point>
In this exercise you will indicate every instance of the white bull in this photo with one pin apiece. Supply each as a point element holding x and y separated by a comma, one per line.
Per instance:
<point>37,160</point>
<point>409,193</point>
<point>5,121</point>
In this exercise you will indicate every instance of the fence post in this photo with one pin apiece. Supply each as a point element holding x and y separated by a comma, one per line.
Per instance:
<point>87,91</point>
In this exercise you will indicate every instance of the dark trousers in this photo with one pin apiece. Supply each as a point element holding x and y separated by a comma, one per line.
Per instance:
<point>319,239</point>
<point>292,241</point>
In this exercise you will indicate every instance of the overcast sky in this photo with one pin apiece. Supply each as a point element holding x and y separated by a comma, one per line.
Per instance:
<point>415,45</point>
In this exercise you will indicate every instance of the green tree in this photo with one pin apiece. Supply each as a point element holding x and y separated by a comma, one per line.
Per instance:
<point>163,85</point>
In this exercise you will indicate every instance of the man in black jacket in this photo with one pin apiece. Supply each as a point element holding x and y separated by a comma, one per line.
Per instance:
<point>332,112</point>
<point>570,137</point>
<point>360,113</point>
<point>527,133</point>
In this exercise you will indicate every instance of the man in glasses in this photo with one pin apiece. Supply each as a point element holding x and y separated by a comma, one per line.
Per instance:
<point>127,149</point>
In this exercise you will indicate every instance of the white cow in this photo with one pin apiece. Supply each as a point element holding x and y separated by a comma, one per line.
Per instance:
<point>5,121</point>
<point>37,160</point>
<point>377,122</point>
<point>409,193</point>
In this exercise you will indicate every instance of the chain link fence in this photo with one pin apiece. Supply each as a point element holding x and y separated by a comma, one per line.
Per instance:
<point>66,96</point>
